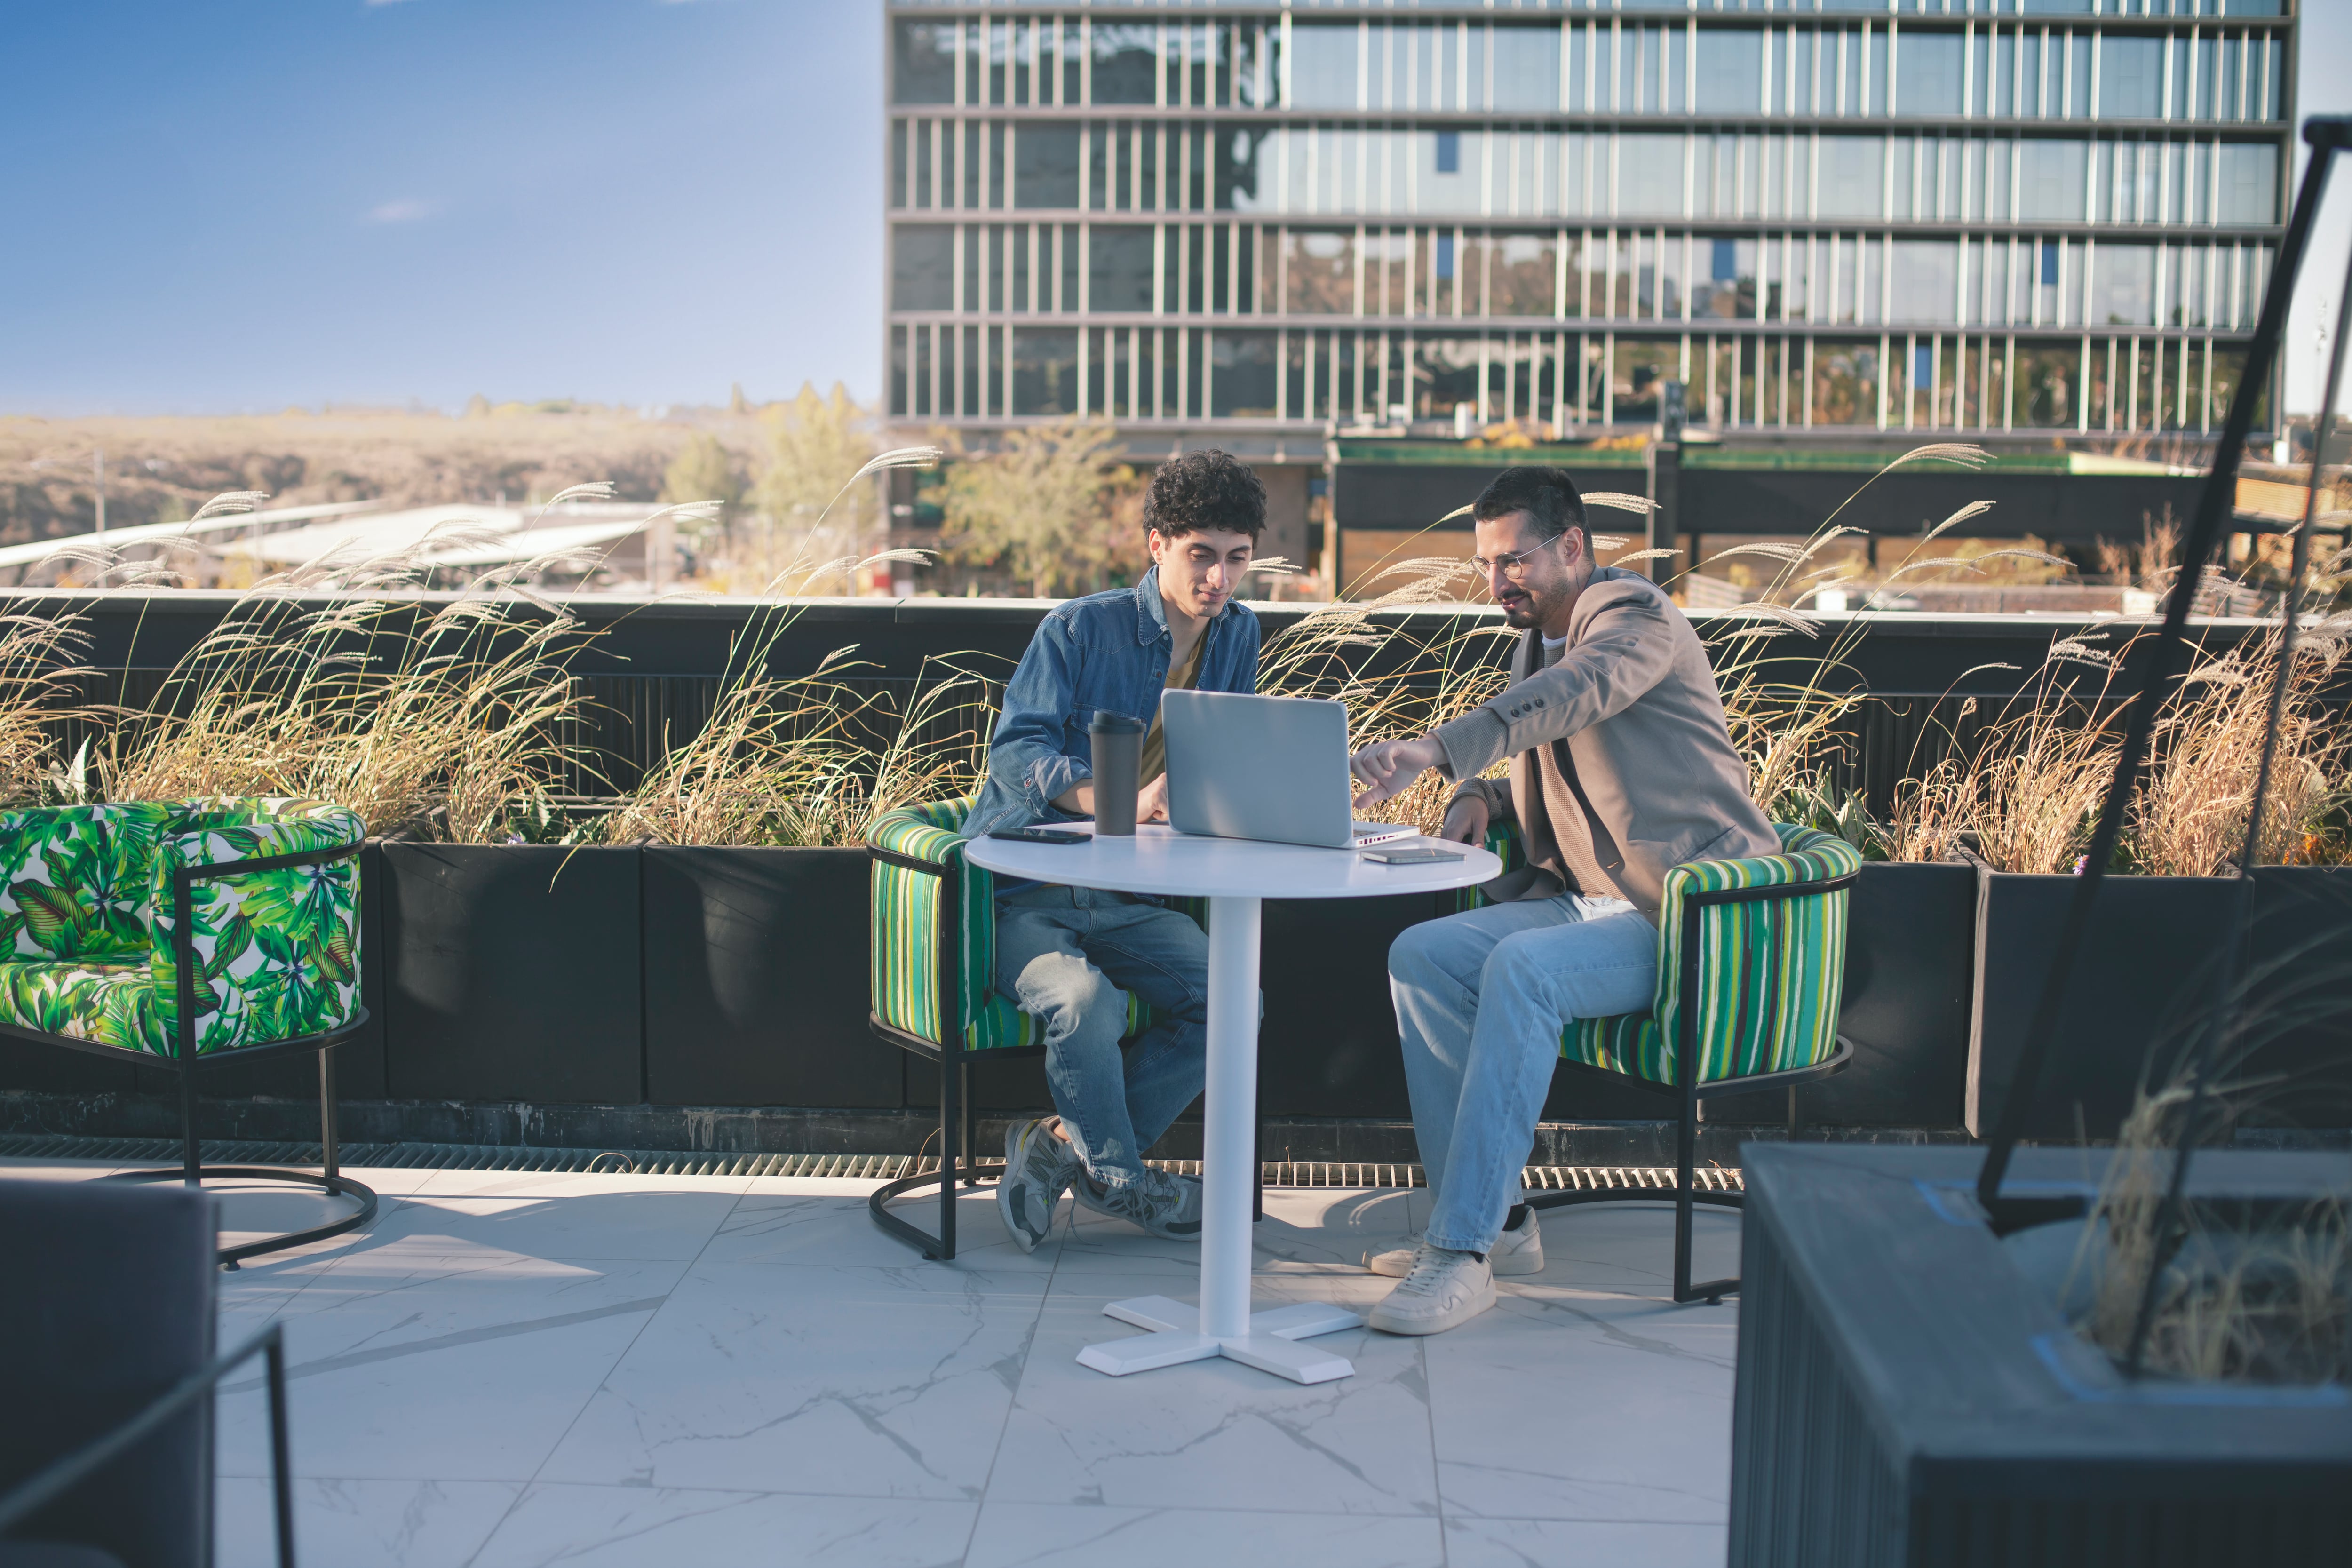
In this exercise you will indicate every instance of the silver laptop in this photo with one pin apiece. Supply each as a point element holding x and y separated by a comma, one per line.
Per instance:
<point>1273,768</point>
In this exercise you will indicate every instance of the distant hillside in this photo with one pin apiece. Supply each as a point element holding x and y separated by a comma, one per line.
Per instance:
<point>160,470</point>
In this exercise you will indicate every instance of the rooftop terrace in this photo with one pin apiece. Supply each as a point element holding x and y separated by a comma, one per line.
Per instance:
<point>526,1368</point>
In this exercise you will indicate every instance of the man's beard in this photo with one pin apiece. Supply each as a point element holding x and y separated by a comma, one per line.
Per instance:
<point>1524,612</point>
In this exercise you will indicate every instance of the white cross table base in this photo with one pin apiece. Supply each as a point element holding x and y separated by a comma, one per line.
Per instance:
<point>1270,1345</point>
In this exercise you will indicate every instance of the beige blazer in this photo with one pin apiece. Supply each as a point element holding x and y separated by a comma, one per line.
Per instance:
<point>1632,703</point>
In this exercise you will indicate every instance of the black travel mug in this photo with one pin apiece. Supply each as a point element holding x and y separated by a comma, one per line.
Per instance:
<point>1119,760</point>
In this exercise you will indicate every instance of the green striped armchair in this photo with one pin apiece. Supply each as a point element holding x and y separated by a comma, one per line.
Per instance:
<point>933,974</point>
<point>1752,969</point>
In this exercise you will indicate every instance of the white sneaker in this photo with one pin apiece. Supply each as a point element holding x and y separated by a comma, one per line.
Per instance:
<point>1444,1290</point>
<point>1514,1252</point>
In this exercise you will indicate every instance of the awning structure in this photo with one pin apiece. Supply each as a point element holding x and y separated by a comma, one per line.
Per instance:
<point>41,550</point>
<point>450,535</point>
<point>366,538</point>
<point>530,544</point>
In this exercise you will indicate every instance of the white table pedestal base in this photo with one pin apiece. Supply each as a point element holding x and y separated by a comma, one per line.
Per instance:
<point>1270,1344</point>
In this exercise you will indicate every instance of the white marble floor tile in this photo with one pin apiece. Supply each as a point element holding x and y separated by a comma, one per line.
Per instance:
<point>836,1230</point>
<point>1216,1429</point>
<point>580,1217</point>
<point>405,1367</point>
<point>648,1526</point>
<point>1058,1536</point>
<point>1329,1229</point>
<point>1631,1246</point>
<point>361,1524</point>
<point>1562,1404</point>
<point>1578,1543</point>
<point>855,1381</point>
<point>254,1211</point>
<point>1306,1231</point>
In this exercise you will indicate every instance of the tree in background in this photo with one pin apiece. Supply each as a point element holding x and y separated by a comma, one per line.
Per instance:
<point>817,443</point>
<point>1045,505</point>
<point>705,470</point>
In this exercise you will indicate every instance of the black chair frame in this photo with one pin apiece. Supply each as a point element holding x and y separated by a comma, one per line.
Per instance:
<point>957,1122</point>
<point>43,1487</point>
<point>186,1063</point>
<point>958,1119</point>
<point>1690,1092</point>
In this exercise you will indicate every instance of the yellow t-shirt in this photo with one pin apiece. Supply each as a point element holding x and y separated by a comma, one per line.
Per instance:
<point>1181,677</point>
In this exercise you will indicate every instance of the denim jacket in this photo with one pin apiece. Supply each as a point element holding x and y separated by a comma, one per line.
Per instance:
<point>1106,650</point>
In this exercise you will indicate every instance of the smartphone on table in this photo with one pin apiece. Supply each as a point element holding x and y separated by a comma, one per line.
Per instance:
<point>1041,835</point>
<point>1411,854</point>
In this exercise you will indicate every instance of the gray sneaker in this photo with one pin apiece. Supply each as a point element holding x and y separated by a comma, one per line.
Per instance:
<point>1165,1206</point>
<point>1037,1166</point>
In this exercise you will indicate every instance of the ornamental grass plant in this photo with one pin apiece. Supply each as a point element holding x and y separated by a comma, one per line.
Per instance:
<point>808,761</point>
<point>2252,1293</point>
<point>340,681</point>
<point>460,717</point>
<point>2189,818</point>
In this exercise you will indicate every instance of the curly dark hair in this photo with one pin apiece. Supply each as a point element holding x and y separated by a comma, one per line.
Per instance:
<point>1206,489</point>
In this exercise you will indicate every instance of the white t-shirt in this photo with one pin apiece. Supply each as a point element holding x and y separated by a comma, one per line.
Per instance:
<point>1552,648</point>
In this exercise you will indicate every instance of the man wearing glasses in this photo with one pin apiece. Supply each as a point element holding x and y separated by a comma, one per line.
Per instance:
<point>1621,768</point>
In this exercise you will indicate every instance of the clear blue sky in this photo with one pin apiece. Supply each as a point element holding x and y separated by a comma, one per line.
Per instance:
<point>237,205</point>
<point>222,205</point>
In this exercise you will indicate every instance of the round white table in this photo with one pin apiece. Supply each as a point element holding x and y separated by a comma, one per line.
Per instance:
<point>1235,875</point>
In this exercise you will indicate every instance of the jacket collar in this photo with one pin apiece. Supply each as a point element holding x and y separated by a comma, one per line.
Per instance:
<point>1150,612</point>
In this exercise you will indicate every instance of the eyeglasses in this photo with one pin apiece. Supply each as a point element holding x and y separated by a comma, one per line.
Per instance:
<point>1514,564</point>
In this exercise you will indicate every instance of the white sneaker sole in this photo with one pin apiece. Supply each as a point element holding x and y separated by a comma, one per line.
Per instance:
<point>1418,1323</point>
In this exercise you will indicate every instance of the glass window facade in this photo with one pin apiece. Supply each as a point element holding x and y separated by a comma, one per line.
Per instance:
<point>1966,214</point>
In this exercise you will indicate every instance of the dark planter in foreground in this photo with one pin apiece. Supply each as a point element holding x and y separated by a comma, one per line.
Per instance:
<point>1909,959</point>
<point>2150,948</point>
<point>512,972</point>
<point>1906,1396</point>
<point>756,980</point>
<point>2300,1036</point>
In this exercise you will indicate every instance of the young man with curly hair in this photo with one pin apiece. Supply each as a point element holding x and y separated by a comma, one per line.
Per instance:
<point>1072,956</point>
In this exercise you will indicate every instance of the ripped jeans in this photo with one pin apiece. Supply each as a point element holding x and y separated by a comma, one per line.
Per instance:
<point>1070,957</point>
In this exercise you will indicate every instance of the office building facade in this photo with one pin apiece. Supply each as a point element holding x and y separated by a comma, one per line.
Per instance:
<point>1257,225</point>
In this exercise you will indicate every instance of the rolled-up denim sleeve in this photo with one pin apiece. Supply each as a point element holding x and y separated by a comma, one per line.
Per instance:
<point>1025,755</point>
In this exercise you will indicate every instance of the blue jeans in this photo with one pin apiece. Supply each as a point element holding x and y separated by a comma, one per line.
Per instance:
<point>1481,1000</point>
<point>1069,956</point>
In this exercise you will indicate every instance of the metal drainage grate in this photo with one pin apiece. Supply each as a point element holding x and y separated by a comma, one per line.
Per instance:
<point>165,1152</point>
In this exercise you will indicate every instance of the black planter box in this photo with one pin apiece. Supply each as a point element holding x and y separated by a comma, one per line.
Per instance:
<point>2300,1002</point>
<point>1906,1396</point>
<point>512,972</point>
<point>756,981</point>
<point>1910,958</point>
<point>2146,968</point>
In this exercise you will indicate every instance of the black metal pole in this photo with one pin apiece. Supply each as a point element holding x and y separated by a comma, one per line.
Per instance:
<point>2170,1228</point>
<point>329,1140</point>
<point>2213,505</point>
<point>281,1452</point>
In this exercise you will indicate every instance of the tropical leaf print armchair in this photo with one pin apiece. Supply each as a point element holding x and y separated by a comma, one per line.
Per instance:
<point>187,935</point>
<point>1751,969</point>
